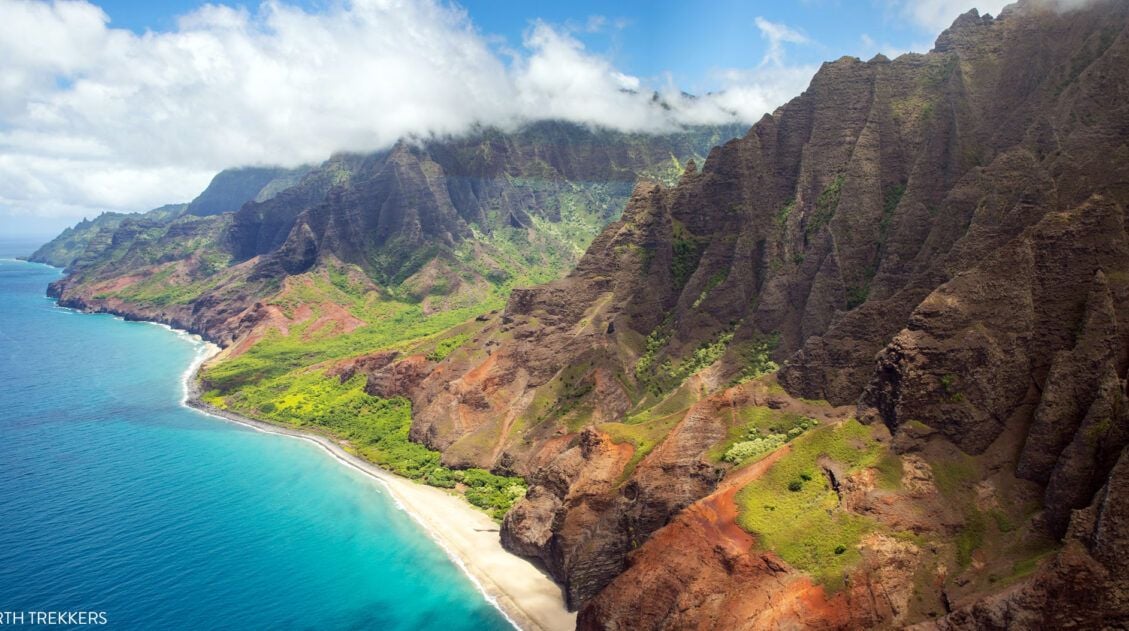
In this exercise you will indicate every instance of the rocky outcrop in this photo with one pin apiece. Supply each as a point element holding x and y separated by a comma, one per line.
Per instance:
<point>1000,173</point>
<point>397,215</point>
<point>1086,586</point>
<point>1067,594</point>
<point>704,572</point>
<point>980,344</point>
<point>582,525</point>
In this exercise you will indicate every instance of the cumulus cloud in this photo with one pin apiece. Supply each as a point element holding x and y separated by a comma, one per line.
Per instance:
<point>93,117</point>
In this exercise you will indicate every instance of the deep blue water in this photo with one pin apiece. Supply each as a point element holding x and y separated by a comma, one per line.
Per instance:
<point>116,498</point>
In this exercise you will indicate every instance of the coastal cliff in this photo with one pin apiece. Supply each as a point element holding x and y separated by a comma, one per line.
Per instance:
<point>864,366</point>
<point>952,214</point>
<point>445,222</point>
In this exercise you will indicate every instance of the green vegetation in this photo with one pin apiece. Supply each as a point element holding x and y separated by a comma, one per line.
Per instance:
<point>928,110</point>
<point>668,173</point>
<point>655,342</point>
<point>664,377</point>
<point>644,436</point>
<point>375,428</point>
<point>652,407</point>
<point>446,346</point>
<point>938,73</point>
<point>158,289</point>
<point>90,239</point>
<point>970,537</point>
<point>759,431</point>
<point>893,197</point>
<point>756,445</point>
<point>805,526</point>
<point>711,284</point>
<point>398,295</point>
<point>561,398</point>
<point>1094,48</point>
<point>756,357</point>
<point>856,296</point>
<point>785,212</point>
<point>687,251</point>
<point>1096,432</point>
<point>949,389</point>
<point>276,354</point>
<point>889,468</point>
<point>825,206</point>
<point>1004,522</point>
<point>953,474</point>
<point>1030,562</point>
<point>273,380</point>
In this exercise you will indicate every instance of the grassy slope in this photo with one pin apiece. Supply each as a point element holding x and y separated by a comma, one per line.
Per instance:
<point>794,510</point>
<point>281,377</point>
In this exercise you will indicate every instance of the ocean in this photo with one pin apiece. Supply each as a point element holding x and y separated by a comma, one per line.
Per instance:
<point>116,498</point>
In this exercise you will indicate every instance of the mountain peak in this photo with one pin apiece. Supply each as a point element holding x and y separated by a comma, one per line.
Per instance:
<point>967,25</point>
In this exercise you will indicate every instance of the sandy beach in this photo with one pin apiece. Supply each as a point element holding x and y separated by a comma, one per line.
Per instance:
<point>527,597</point>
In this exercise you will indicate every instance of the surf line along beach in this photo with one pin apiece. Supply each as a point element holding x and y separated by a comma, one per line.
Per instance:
<point>528,598</point>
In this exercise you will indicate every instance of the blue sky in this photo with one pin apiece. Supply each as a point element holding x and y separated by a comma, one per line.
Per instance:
<point>125,105</point>
<point>688,40</point>
<point>691,39</point>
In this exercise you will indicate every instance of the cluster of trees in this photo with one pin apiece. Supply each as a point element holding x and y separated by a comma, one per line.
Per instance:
<point>377,429</point>
<point>757,444</point>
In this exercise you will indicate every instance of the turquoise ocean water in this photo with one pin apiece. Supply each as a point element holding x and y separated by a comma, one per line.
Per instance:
<point>116,498</point>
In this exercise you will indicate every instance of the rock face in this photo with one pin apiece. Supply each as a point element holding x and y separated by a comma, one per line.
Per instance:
<point>1084,587</point>
<point>704,572</point>
<point>939,238</point>
<point>398,215</point>
<point>91,237</point>
<point>393,211</point>
<point>89,241</point>
<point>232,188</point>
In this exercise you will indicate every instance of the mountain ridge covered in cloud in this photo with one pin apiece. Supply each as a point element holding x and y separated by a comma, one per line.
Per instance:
<point>98,117</point>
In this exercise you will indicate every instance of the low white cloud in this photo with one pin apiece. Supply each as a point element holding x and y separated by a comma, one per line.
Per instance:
<point>931,17</point>
<point>93,117</point>
<point>749,93</point>
<point>934,16</point>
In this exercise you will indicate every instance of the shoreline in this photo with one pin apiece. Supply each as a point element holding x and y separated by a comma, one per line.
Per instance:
<point>525,596</point>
